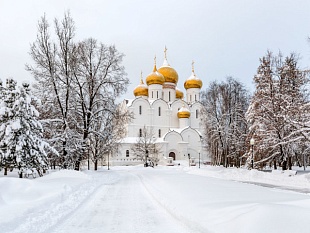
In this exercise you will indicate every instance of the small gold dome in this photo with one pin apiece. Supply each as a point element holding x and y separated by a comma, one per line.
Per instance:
<point>179,94</point>
<point>155,77</point>
<point>184,113</point>
<point>168,72</point>
<point>193,81</point>
<point>141,89</point>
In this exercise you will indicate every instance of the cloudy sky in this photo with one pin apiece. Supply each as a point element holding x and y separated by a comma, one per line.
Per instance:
<point>223,37</point>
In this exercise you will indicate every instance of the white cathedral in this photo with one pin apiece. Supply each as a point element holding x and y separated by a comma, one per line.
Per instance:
<point>175,122</point>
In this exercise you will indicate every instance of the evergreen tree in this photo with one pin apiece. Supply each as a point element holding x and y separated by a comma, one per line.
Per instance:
<point>21,132</point>
<point>7,149</point>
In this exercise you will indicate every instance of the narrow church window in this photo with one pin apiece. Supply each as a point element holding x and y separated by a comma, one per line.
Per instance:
<point>152,95</point>
<point>169,96</point>
<point>159,133</point>
<point>140,132</point>
<point>195,97</point>
<point>127,153</point>
<point>140,110</point>
<point>190,98</point>
<point>197,112</point>
<point>159,111</point>
<point>157,94</point>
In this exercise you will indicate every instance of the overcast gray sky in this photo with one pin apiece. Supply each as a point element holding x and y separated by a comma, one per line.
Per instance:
<point>223,37</point>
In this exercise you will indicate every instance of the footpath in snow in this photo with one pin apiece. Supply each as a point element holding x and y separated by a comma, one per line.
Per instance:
<point>163,199</point>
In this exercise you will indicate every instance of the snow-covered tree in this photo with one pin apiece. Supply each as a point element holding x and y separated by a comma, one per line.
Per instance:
<point>145,148</point>
<point>21,133</point>
<point>106,132</point>
<point>224,121</point>
<point>275,109</point>
<point>77,83</point>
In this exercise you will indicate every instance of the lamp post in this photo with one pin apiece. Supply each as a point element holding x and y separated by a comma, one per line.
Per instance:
<point>252,142</point>
<point>189,160</point>
<point>88,145</point>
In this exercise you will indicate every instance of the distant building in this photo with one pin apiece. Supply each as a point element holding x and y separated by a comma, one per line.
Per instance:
<point>159,105</point>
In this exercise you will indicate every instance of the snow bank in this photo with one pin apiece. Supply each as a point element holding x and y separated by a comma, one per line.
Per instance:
<point>53,195</point>
<point>277,178</point>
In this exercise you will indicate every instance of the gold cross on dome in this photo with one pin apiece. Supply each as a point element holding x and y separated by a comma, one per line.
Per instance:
<point>141,80</point>
<point>193,66</point>
<point>165,51</point>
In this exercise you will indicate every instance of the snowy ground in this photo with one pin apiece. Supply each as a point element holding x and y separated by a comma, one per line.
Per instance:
<point>164,199</point>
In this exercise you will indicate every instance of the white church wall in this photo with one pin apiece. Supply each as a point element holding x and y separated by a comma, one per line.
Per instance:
<point>194,144</point>
<point>142,116</point>
<point>175,106</point>
<point>195,118</point>
<point>160,117</point>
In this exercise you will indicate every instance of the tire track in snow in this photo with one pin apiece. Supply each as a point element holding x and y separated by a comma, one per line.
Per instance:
<point>125,206</point>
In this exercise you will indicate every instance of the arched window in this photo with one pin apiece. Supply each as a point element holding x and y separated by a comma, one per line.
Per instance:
<point>190,98</point>
<point>127,153</point>
<point>195,97</point>
<point>169,96</point>
<point>140,132</point>
<point>159,111</point>
<point>157,94</point>
<point>140,110</point>
<point>159,133</point>
<point>197,112</point>
<point>152,94</point>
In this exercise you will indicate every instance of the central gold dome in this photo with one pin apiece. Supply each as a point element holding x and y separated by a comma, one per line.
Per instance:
<point>170,75</point>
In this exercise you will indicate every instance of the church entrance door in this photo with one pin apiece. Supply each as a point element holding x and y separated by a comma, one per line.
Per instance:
<point>172,155</point>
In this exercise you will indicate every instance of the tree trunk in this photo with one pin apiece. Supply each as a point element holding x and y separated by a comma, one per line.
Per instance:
<point>20,175</point>
<point>96,165</point>
<point>274,164</point>
<point>284,164</point>
<point>5,171</point>
<point>290,163</point>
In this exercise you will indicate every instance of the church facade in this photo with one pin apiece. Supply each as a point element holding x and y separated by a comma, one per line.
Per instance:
<point>175,122</point>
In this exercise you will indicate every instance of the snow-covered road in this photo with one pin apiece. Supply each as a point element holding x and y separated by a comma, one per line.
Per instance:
<point>124,206</point>
<point>163,199</point>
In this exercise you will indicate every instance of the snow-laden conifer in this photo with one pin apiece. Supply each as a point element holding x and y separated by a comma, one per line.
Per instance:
<point>21,133</point>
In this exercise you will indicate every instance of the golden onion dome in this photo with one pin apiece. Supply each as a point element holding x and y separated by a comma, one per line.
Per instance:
<point>155,77</point>
<point>168,72</point>
<point>193,81</point>
<point>141,89</point>
<point>184,112</point>
<point>178,93</point>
